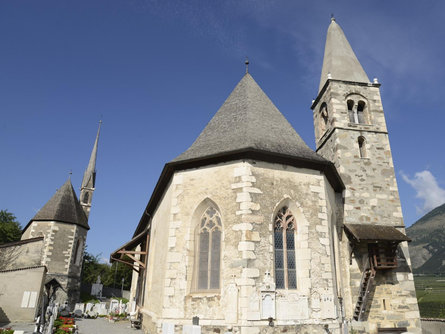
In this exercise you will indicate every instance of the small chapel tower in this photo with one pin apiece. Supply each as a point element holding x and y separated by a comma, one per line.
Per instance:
<point>89,179</point>
<point>350,131</point>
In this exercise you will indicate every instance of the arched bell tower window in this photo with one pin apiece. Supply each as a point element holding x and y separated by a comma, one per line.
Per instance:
<point>357,112</point>
<point>86,197</point>
<point>209,250</point>
<point>361,112</point>
<point>284,246</point>
<point>362,146</point>
<point>323,118</point>
<point>350,104</point>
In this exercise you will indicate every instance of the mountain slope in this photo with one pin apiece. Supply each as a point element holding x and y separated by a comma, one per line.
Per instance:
<point>427,249</point>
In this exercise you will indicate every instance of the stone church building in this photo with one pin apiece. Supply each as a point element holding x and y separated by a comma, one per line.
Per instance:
<point>49,253</point>
<point>251,231</point>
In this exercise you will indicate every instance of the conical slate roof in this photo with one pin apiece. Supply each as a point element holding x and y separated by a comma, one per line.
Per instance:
<point>340,60</point>
<point>63,207</point>
<point>248,120</point>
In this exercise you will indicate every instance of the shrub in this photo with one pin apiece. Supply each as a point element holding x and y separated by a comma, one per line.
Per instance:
<point>6,331</point>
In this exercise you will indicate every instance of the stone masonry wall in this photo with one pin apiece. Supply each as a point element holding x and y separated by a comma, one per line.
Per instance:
<point>58,255</point>
<point>22,255</point>
<point>248,195</point>
<point>371,197</point>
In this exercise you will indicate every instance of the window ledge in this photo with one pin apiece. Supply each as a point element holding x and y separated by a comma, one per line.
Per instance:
<point>351,124</point>
<point>211,293</point>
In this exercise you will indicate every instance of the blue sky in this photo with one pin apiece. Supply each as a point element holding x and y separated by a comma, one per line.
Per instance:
<point>157,71</point>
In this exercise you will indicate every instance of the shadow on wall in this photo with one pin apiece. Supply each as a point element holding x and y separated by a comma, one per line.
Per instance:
<point>3,317</point>
<point>8,256</point>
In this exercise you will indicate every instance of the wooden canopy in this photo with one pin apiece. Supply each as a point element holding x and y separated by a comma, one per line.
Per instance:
<point>374,233</point>
<point>128,250</point>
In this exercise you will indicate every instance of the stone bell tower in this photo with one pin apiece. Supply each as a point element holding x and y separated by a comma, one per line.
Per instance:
<point>350,131</point>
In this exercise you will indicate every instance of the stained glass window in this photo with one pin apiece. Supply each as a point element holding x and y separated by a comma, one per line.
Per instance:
<point>209,252</point>
<point>284,244</point>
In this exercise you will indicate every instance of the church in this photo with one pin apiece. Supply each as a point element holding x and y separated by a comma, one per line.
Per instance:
<point>48,258</point>
<point>251,231</point>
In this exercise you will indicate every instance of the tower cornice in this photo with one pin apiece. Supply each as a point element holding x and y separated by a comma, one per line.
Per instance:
<point>352,83</point>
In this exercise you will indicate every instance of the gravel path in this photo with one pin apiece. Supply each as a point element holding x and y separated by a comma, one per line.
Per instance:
<point>26,327</point>
<point>87,326</point>
<point>103,326</point>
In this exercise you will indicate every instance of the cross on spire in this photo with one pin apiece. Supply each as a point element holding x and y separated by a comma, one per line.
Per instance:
<point>247,64</point>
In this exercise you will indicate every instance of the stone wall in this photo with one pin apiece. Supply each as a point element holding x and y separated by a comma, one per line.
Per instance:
<point>248,194</point>
<point>21,254</point>
<point>20,293</point>
<point>61,255</point>
<point>433,326</point>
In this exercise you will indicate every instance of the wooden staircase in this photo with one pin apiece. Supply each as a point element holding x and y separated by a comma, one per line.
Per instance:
<point>365,286</point>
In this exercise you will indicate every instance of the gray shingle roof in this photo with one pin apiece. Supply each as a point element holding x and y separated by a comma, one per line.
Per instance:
<point>63,207</point>
<point>248,120</point>
<point>339,58</point>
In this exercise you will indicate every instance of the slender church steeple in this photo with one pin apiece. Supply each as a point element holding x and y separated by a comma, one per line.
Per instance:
<point>89,178</point>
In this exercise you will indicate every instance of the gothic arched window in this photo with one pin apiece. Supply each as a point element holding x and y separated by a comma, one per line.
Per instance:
<point>77,252</point>
<point>284,245</point>
<point>209,250</point>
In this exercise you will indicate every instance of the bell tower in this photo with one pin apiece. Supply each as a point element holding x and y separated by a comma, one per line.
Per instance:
<point>350,131</point>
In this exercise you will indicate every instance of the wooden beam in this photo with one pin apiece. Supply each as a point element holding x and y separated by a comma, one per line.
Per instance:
<point>142,264</point>
<point>130,264</point>
<point>124,251</point>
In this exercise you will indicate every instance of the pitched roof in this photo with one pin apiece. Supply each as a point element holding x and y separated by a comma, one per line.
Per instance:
<point>248,120</point>
<point>247,126</point>
<point>339,59</point>
<point>63,207</point>
<point>368,232</point>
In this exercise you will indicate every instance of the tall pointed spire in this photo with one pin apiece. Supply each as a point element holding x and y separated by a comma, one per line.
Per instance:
<point>340,61</point>
<point>89,178</point>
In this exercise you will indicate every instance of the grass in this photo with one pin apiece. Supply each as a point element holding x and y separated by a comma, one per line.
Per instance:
<point>430,291</point>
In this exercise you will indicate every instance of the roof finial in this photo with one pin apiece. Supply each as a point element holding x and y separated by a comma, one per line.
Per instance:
<point>70,173</point>
<point>247,64</point>
<point>332,17</point>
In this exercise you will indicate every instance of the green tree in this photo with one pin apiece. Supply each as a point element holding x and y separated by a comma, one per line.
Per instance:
<point>10,229</point>
<point>111,275</point>
<point>116,272</point>
<point>92,268</point>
